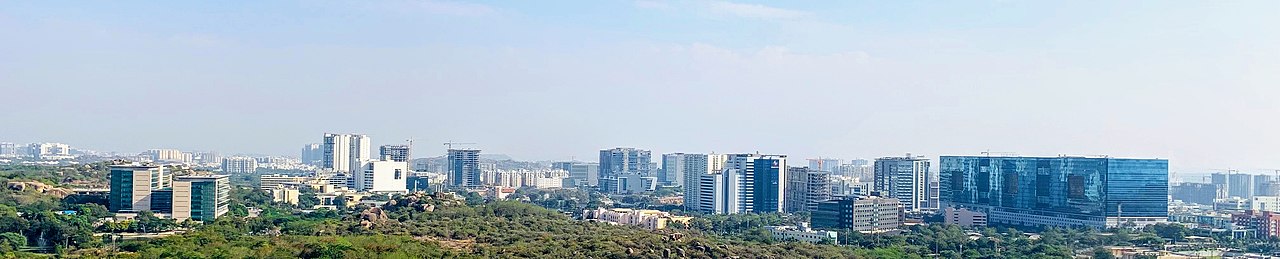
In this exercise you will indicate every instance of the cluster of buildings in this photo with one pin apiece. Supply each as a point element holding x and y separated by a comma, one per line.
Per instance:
<point>761,183</point>
<point>1233,202</point>
<point>647,219</point>
<point>137,187</point>
<point>881,195</point>
<point>36,151</point>
<point>870,196</point>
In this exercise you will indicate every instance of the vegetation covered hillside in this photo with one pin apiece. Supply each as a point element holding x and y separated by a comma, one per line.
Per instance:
<point>439,226</point>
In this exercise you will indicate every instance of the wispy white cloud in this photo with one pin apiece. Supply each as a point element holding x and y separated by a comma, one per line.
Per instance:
<point>757,11</point>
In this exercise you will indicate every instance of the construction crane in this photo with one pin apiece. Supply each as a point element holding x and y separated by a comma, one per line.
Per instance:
<point>450,144</point>
<point>408,156</point>
<point>999,153</point>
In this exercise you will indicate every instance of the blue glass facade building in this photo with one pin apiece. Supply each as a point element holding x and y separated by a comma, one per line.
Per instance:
<point>1058,191</point>
<point>767,185</point>
<point>464,167</point>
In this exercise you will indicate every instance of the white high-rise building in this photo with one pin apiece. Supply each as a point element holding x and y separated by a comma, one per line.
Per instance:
<point>907,179</point>
<point>49,151</point>
<point>676,166</point>
<point>383,176</point>
<point>239,165</point>
<point>168,155</point>
<point>345,152</point>
<point>749,183</point>
<point>8,150</point>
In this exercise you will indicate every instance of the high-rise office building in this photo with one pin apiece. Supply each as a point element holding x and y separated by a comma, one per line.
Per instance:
<point>581,174</point>
<point>345,152</point>
<point>1199,193</point>
<point>207,157</point>
<point>132,186</point>
<point>313,154</point>
<point>806,188</point>
<point>1239,185</point>
<point>867,215</point>
<point>1220,180</point>
<point>8,150</point>
<point>615,162</point>
<point>464,167</point>
<point>905,178</point>
<point>398,153</point>
<point>1262,185</point>
<point>824,164</point>
<point>676,166</point>
<point>1059,191</point>
<point>49,151</point>
<point>239,165</point>
<point>749,183</point>
<point>202,198</point>
<point>383,176</point>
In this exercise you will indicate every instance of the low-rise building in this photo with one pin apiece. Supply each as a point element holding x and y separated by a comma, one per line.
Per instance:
<point>1265,203</point>
<point>647,219</point>
<point>284,195</point>
<point>965,217</point>
<point>1265,223</point>
<point>869,214</point>
<point>271,181</point>
<point>1202,219</point>
<point>500,193</point>
<point>802,233</point>
<point>1232,204</point>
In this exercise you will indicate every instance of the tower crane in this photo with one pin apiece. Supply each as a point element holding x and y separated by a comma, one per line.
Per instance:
<point>449,144</point>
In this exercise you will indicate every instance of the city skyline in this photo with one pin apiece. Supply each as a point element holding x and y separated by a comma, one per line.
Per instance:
<point>1183,81</point>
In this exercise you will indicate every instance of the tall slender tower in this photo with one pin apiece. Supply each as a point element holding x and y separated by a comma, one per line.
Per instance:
<point>345,153</point>
<point>905,178</point>
<point>464,167</point>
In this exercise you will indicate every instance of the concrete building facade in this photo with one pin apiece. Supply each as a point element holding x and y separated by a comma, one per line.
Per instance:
<point>806,188</point>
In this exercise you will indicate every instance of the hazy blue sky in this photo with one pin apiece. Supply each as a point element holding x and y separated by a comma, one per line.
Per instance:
<point>1197,82</point>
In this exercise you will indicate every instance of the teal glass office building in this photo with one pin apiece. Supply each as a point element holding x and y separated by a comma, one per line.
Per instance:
<point>1099,192</point>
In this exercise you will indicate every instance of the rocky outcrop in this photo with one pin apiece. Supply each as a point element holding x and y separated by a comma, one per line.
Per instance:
<point>371,217</point>
<point>39,187</point>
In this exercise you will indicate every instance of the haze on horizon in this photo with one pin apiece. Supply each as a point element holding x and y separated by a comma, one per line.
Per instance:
<point>1191,81</point>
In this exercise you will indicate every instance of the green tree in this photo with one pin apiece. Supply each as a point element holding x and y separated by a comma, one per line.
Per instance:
<point>10,241</point>
<point>1102,253</point>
